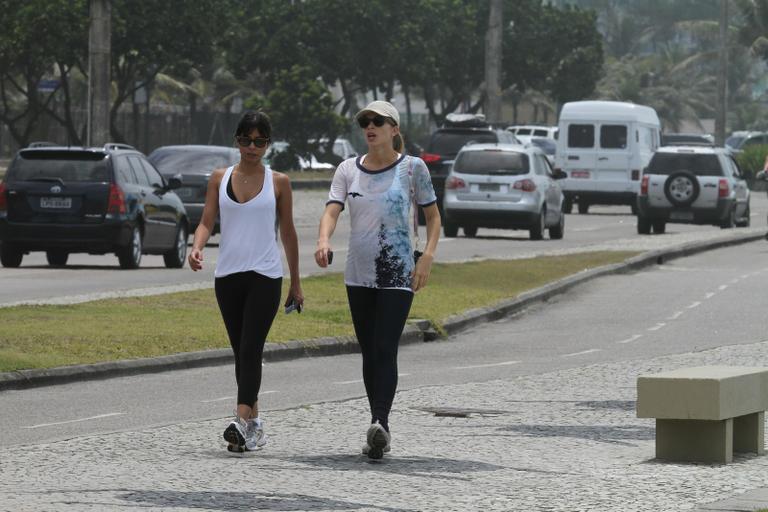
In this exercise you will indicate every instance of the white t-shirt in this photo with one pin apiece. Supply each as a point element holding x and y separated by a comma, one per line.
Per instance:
<point>380,251</point>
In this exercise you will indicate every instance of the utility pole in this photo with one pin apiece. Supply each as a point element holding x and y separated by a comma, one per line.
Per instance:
<point>493,39</point>
<point>99,49</point>
<point>722,77</point>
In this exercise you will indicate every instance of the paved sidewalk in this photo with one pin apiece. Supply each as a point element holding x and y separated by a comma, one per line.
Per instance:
<point>561,441</point>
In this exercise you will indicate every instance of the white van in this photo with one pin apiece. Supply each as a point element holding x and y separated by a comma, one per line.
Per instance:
<point>530,130</point>
<point>603,147</point>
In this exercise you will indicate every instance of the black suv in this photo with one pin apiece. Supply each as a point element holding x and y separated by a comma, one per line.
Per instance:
<point>63,200</point>
<point>446,141</point>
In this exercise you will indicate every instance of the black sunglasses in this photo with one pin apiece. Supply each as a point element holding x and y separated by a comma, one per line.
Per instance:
<point>378,121</point>
<point>245,141</point>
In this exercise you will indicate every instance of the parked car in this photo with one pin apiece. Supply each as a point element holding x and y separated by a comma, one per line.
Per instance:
<point>692,185</point>
<point>505,186</point>
<point>548,146</point>
<point>603,147</point>
<point>446,141</point>
<point>311,164</point>
<point>687,139</point>
<point>195,164</point>
<point>740,140</point>
<point>65,200</point>
<point>531,130</point>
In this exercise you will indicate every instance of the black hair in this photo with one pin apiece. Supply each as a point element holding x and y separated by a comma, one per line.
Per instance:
<point>254,120</point>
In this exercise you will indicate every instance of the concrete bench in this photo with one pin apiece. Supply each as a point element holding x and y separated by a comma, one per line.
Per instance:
<point>707,413</point>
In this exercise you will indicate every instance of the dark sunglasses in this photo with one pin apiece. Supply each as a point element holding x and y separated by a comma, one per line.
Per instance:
<point>245,141</point>
<point>378,121</point>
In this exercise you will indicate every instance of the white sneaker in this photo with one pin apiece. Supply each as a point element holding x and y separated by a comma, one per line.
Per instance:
<point>255,437</point>
<point>235,434</point>
<point>378,441</point>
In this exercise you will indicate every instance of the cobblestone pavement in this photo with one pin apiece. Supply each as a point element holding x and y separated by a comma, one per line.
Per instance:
<point>561,441</point>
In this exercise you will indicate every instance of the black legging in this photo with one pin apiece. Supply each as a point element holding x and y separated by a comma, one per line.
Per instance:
<point>379,316</point>
<point>248,302</point>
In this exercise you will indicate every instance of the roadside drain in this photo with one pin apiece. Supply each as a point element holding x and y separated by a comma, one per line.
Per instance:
<point>457,412</point>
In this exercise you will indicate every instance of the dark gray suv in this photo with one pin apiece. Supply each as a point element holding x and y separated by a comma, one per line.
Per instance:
<point>64,200</point>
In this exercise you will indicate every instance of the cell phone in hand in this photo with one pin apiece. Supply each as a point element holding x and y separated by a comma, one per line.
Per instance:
<point>292,306</point>
<point>330,257</point>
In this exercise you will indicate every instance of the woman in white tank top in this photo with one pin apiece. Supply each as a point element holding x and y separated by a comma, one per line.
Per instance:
<point>251,201</point>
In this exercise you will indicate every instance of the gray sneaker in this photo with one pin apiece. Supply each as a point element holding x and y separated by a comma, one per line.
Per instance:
<point>378,441</point>
<point>255,437</point>
<point>235,434</point>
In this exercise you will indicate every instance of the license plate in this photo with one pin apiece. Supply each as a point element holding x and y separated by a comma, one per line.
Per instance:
<point>681,215</point>
<point>185,192</point>
<point>56,202</point>
<point>489,187</point>
<point>580,174</point>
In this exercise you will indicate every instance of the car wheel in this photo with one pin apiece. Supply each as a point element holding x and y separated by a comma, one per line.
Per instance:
<point>175,257</point>
<point>583,208</point>
<point>470,231</point>
<point>744,223</point>
<point>536,230</point>
<point>450,229</point>
<point>643,225</point>
<point>730,220</point>
<point>57,257</point>
<point>556,232</point>
<point>10,256</point>
<point>567,205</point>
<point>681,188</point>
<point>659,227</point>
<point>130,255</point>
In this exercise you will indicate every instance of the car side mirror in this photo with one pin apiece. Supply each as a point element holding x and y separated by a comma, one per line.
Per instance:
<point>174,182</point>
<point>559,174</point>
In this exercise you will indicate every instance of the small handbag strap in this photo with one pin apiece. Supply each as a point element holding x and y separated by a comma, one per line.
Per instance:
<point>413,205</point>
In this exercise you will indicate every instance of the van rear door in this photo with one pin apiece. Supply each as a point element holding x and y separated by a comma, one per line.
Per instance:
<point>580,155</point>
<point>612,168</point>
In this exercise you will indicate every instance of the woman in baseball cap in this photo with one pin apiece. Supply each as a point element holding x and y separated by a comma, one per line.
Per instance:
<point>383,269</point>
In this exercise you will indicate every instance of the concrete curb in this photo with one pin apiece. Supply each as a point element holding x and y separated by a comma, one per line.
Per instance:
<point>413,333</point>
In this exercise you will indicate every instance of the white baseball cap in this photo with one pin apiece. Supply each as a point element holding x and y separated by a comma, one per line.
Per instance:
<point>383,108</point>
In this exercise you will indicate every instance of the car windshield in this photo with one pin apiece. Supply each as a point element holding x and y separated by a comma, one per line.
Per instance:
<point>698,164</point>
<point>734,141</point>
<point>449,143</point>
<point>547,145</point>
<point>191,161</point>
<point>60,165</point>
<point>491,162</point>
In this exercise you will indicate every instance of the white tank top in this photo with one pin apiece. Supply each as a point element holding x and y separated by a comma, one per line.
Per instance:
<point>249,231</point>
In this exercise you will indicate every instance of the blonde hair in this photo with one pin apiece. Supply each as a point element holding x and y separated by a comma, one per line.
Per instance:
<point>398,143</point>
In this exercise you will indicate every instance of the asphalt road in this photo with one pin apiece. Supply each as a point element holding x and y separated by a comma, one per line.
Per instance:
<point>712,299</point>
<point>89,277</point>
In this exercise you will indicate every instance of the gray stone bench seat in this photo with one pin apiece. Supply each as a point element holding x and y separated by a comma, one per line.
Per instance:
<point>707,413</point>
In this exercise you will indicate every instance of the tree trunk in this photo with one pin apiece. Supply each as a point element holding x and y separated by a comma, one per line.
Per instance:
<point>493,39</point>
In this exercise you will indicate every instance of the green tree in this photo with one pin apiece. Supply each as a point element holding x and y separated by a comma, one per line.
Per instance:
<point>301,110</point>
<point>41,39</point>
<point>150,37</point>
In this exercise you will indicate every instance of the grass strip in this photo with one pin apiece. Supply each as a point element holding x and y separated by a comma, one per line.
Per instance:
<point>310,175</point>
<point>113,329</point>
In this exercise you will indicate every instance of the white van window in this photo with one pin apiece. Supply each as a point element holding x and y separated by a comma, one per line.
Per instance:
<point>645,138</point>
<point>613,136</point>
<point>540,133</point>
<point>523,131</point>
<point>581,136</point>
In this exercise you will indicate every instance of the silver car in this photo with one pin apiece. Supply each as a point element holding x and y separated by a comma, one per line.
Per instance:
<point>506,186</point>
<point>692,185</point>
